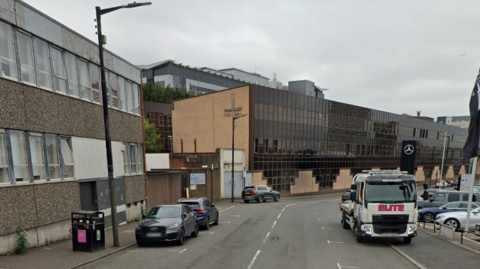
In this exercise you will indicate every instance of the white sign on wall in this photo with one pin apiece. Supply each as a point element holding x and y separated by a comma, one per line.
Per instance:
<point>466,182</point>
<point>197,179</point>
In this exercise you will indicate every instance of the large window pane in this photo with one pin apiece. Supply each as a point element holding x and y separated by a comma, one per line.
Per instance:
<point>52,154</point>
<point>59,71</point>
<point>7,53</point>
<point>133,158</point>
<point>4,176</point>
<point>126,159</point>
<point>71,65</point>
<point>19,155</point>
<point>25,51</point>
<point>85,91</point>
<point>136,103</point>
<point>95,83</point>
<point>68,163</point>
<point>43,64</point>
<point>129,97</point>
<point>140,158</point>
<point>121,91</point>
<point>114,89</point>
<point>36,152</point>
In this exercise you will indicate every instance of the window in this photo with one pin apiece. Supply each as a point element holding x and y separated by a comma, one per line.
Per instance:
<point>71,65</point>
<point>67,157</point>
<point>7,52</point>
<point>114,89</point>
<point>85,91</point>
<point>59,71</point>
<point>133,158</point>
<point>95,83</point>
<point>25,51</point>
<point>36,153</point>
<point>440,197</point>
<point>52,155</point>
<point>4,176</point>
<point>129,97</point>
<point>453,197</point>
<point>454,205</point>
<point>43,64</point>
<point>19,155</point>
<point>126,159</point>
<point>121,90</point>
<point>139,158</point>
<point>136,97</point>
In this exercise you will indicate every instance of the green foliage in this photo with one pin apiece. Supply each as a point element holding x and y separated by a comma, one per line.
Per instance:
<point>160,94</point>
<point>151,138</point>
<point>22,242</point>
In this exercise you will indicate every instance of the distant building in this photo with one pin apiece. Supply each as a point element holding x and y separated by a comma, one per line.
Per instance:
<point>459,121</point>
<point>307,88</point>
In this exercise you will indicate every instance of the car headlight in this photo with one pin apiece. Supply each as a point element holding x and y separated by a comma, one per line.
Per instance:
<point>172,227</point>
<point>367,229</point>
<point>412,229</point>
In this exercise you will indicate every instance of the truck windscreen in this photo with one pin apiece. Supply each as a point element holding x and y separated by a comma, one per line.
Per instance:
<point>390,192</point>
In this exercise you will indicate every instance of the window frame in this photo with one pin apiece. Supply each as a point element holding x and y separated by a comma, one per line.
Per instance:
<point>47,61</point>
<point>12,43</point>
<point>33,53</point>
<point>58,79</point>
<point>7,161</point>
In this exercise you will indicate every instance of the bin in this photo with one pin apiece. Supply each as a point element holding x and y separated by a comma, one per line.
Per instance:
<point>88,231</point>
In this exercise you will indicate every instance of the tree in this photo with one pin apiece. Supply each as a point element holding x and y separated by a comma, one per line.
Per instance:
<point>151,138</point>
<point>160,94</point>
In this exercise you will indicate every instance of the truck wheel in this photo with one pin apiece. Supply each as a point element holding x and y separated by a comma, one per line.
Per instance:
<point>359,238</point>
<point>407,240</point>
<point>344,221</point>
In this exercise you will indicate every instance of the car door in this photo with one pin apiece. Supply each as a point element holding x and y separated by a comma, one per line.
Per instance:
<point>208,209</point>
<point>474,218</point>
<point>452,207</point>
<point>188,220</point>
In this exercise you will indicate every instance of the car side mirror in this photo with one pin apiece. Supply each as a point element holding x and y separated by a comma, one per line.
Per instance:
<point>184,215</point>
<point>212,205</point>
<point>444,207</point>
<point>144,216</point>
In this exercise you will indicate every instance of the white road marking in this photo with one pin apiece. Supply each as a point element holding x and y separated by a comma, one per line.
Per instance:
<point>336,242</point>
<point>275,222</point>
<point>316,213</point>
<point>323,228</point>
<point>212,232</point>
<point>182,251</point>
<point>253,260</point>
<point>226,208</point>
<point>236,216</point>
<point>290,205</point>
<point>134,251</point>
<point>265,240</point>
<point>283,210</point>
<point>319,219</point>
<point>229,221</point>
<point>340,267</point>
<point>419,265</point>
<point>279,215</point>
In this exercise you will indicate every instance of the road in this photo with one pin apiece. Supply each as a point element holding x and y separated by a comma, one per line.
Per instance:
<point>293,233</point>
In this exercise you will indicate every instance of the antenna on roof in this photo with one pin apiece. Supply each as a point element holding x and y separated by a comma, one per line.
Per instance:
<point>274,77</point>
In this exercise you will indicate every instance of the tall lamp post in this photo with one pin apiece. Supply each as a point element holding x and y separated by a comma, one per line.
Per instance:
<point>431,166</point>
<point>108,141</point>
<point>233,145</point>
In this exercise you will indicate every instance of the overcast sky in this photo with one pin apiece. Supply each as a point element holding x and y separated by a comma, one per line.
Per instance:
<point>396,56</point>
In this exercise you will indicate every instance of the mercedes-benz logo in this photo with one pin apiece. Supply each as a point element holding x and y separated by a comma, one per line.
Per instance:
<point>408,149</point>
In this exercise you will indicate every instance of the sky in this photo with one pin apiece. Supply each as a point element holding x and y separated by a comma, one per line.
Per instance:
<point>395,56</point>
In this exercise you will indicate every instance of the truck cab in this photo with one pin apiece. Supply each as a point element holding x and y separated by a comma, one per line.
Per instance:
<point>384,204</point>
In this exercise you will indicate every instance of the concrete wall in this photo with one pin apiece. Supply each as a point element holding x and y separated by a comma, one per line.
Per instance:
<point>305,183</point>
<point>226,165</point>
<point>157,161</point>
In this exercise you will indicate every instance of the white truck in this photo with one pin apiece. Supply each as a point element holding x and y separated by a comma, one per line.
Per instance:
<point>383,204</point>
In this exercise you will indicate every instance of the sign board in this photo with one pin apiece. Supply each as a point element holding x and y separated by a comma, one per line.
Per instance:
<point>197,179</point>
<point>407,160</point>
<point>466,182</point>
<point>193,187</point>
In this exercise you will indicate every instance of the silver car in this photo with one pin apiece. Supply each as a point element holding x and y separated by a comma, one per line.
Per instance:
<point>458,220</point>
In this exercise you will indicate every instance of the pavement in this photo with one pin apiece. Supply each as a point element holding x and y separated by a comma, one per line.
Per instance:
<point>61,255</point>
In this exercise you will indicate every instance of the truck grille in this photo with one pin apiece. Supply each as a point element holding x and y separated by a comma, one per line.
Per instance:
<point>390,223</point>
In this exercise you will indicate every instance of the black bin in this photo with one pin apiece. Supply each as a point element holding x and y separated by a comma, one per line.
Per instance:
<point>88,231</point>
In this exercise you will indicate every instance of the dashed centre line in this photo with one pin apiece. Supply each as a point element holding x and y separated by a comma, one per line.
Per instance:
<point>323,228</point>
<point>212,232</point>
<point>253,260</point>
<point>336,242</point>
<point>279,215</point>
<point>265,240</point>
<point>340,267</point>
<point>283,210</point>
<point>182,251</point>
<point>273,226</point>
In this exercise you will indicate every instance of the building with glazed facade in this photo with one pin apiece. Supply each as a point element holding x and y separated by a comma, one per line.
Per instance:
<point>300,144</point>
<point>52,135</point>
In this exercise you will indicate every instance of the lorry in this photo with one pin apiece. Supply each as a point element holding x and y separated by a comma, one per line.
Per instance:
<point>383,204</point>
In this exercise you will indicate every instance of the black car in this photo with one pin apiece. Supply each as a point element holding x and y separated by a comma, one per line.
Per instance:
<point>260,194</point>
<point>167,223</point>
<point>206,212</point>
<point>346,197</point>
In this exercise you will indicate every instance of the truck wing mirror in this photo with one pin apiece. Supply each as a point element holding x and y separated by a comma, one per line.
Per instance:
<point>354,187</point>
<point>425,186</point>
<point>353,196</point>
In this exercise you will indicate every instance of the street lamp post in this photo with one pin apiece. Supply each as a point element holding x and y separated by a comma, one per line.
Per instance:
<point>108,141</point>
<point>233,145</point>
<point>431,166</point>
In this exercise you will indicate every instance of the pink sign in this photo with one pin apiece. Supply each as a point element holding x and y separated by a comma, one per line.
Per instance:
<point>82,236</point>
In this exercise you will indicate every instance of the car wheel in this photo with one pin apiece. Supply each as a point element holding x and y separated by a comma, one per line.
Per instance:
<point>195,232</point>
<point>407,240</point>
<point>344,221</point>
<point>217,220</point>
<point>453,223</point>
<point>260,199</point>
<point>246,201</point>
<point>207,224</point>
<point>277,198</point>
<point>141,244</point>
<point>359,237</point>
<point>428,217</point>
<point>181,238</point>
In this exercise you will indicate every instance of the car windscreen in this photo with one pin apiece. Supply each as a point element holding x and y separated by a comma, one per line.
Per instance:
<point>390,192</point>
<point>164,212</point>
<point>249,188</point>
<point>191,204</point>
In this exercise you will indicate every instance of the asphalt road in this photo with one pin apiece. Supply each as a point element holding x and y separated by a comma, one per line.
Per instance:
<point>293,233</point>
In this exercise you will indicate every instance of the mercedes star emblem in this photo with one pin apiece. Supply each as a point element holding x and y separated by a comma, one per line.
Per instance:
<point>409,149</point>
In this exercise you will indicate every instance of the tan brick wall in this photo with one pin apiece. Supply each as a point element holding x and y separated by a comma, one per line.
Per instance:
<point>420,174</point>
<point>305,183</point>
<point>463,170</point>
<point>344,180</point>
<point>202,118</point>
<point>257,179</point>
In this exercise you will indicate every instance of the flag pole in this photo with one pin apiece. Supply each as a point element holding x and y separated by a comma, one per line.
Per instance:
<point>470,194</point>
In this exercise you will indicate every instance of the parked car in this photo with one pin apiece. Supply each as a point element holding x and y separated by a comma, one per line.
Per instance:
<point>477,229</point>
<point>458,220</point>
<point>441,197</point>
<point>429,214</point>
<point>346,197</point>
<point>167,223</point>
<point>260,194</point>
<point>207,213</point>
